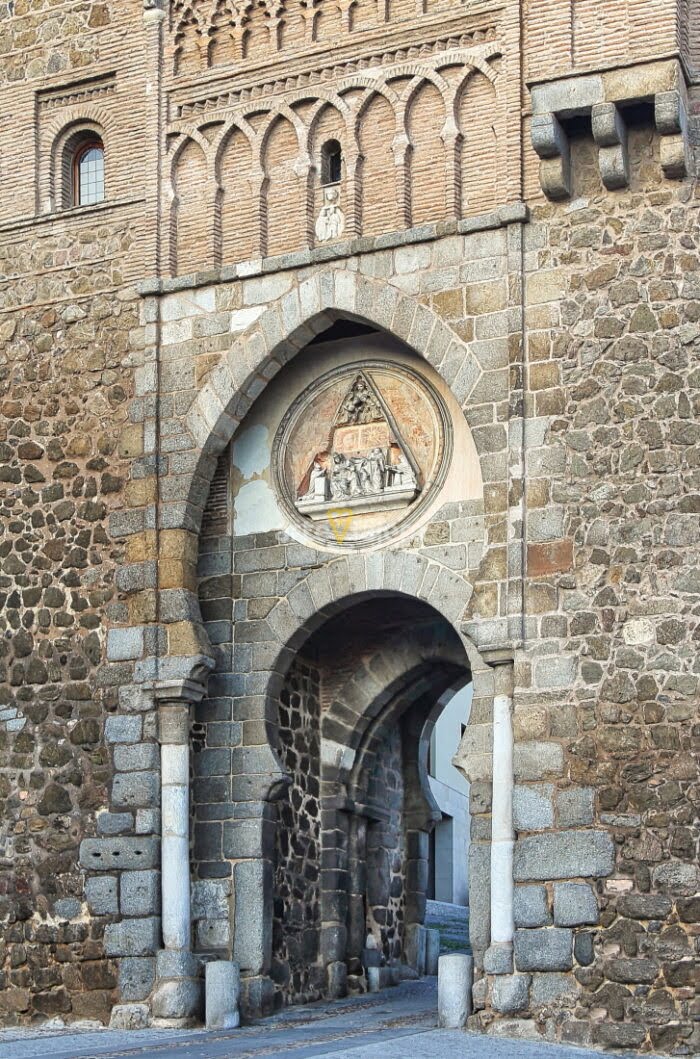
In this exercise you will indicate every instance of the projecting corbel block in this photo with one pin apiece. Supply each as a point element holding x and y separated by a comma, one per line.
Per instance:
<point>610,134</point>
<point>671,124</point>
<point>552,146</point>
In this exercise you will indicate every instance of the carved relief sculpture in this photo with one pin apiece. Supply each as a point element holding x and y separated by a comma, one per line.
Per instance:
<point>330,223</point>
<point>366,464</point>
<point>372,439</point>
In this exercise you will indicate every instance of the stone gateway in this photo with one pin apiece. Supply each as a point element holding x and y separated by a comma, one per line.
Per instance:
<point>350,361</point>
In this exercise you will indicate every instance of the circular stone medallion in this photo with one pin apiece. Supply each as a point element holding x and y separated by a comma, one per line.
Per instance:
<point>360,452</point>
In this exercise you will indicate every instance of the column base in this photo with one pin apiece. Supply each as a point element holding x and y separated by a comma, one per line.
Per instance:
<point>178,998</point>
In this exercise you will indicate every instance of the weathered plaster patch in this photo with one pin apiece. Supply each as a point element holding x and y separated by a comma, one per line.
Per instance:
<point>256,509</point>
<point>251,451</point>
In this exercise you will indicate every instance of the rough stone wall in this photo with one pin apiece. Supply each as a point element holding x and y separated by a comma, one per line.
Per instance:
<point>606,707</point>
<point>64,454</point>
<point>386,853</point>
<point>296,922</point>
<point>69,443</point>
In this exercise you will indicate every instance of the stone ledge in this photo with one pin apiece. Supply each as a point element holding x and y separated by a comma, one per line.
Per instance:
<point>515,213</point>
<point>76,213</point>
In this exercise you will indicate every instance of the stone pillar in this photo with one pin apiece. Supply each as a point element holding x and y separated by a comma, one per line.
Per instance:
<point>175,812</point>
<point>455,972</point>
<point>178,994</point>
<point>499,957</point>
<point>223,994</point>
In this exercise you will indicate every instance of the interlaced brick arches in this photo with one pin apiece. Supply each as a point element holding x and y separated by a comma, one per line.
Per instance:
<point>211,33</point>
<point>422,142</point>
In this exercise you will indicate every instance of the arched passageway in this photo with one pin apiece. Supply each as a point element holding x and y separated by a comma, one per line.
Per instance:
<point>356,711</point>
<point>337,628</point>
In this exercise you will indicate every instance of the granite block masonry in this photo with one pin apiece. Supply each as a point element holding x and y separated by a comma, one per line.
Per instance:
<point>351,387</point>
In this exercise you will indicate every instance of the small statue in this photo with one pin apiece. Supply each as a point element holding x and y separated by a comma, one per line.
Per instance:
<point>330,223</point>
<point>345,478</point>
<point>377,470</point>
<point>402,473</point>
<point>318,483</point>
<point>360,405</point>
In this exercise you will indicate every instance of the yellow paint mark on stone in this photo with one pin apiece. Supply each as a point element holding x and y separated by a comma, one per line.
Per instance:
<point>340,519</point>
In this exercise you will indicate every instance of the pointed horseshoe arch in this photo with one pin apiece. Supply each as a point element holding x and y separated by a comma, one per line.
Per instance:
<point>283,329</point>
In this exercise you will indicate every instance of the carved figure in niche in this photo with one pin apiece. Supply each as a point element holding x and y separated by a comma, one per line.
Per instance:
<point>360,405</point>
<point>330,223</point>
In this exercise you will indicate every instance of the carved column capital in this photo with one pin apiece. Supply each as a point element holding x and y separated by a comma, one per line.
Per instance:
<point>174,698</point>
<point>154,10</point>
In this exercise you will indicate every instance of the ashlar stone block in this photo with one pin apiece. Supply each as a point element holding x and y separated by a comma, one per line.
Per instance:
<point>132,937</point>
<point>136,977</point>
<point>533,809</point>
<point>550,949</point>
<point>101,894</point>
<point>140,893</point>
<point>575,904</point>
<point>530,907</point>
<point>510,993</point>
<point>564,855</point>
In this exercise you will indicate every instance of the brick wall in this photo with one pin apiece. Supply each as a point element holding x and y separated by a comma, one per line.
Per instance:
<point>562,36</point>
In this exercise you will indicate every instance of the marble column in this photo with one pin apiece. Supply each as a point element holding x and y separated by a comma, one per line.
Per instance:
<point>499,956</point>
<point>178,997</point>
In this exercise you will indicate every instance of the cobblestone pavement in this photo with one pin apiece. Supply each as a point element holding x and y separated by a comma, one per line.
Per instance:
<point>396,1024</point>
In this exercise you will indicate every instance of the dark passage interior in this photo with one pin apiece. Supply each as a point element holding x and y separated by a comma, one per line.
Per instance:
<point>355,716</point>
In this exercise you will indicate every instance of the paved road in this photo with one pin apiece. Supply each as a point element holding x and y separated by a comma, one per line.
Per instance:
<point>397,1024</point>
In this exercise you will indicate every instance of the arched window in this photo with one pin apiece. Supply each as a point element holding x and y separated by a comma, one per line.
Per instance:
<point>89,173</point>
<point>331,162</point>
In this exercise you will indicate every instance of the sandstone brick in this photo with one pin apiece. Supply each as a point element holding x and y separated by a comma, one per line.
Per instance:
<point>550,558</point>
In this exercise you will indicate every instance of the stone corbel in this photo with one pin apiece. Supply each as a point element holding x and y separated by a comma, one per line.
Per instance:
<point>610,134</point>
<point>671,124</point>
<point>552,147</point>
